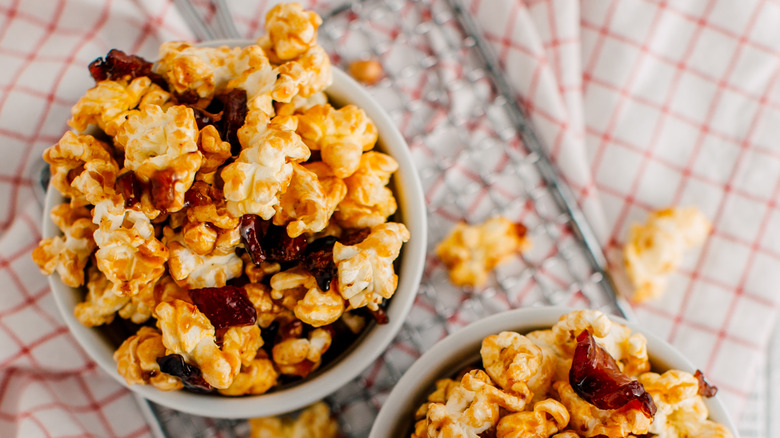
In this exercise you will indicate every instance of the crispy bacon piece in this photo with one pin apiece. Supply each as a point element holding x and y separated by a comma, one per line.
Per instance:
<point>225,306</point>
<point>705,389</point>
<point>318,260</point>
<point>267,242</point>
<point>595,377</point>
<point>232,118</point>
<point>190,375</point>
<point>117,65</point>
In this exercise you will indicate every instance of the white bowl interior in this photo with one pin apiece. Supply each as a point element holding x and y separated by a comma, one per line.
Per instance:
<point>461,348</point>
<point>408,191</point>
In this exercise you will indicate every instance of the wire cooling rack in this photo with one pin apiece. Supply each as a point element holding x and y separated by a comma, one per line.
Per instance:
<point>477,157</point>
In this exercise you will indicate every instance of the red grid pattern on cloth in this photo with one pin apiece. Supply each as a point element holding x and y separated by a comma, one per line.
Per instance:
<point>642,104</point>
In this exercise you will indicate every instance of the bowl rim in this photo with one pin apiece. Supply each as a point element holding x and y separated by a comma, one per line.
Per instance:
<point>448,354</point>
<point>409,194</point>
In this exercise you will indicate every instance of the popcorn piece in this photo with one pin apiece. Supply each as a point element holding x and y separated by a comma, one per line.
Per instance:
<point>304,76</point>
<point>470,409</point>
<point>262,172</point>
<point>67,254</point>
<point>136,361</point>
<point>161,148</point>
<point>101,303</point>
<point>201,71</point>
<point>299,104</point>
<point>243,341</point>
<point>511,359</point>
<point>291,31</point>
<point>166,290</point>
<point>341,135</point>
<point>628,349</point>
<point>187,332</point>
<point>190,267</point>
<point>258,80</point>
<point>655,250</point>
<point>130,255</point>
<point>300,356</point>
<point>591,421</point>
<point>316,308</point>
<point>369,201</point>
<point>471,251</point>
<point>256,378</point>
<point>82,168</point>
<point>109,103</point>
<point>215,151</point>
<point>365,270</point>
<point>310,199</point>
<point>268,310</point>
<point>547,418</point>
<point>681,411</point>
<point>314,422</point>
<point>207,204</point>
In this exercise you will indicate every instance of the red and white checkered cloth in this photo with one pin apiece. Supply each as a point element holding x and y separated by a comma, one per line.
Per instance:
<point>643,104</point>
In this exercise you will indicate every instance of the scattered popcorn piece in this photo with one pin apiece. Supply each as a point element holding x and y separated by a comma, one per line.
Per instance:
<point>187,332</point>
<point>313,422</point>
<point>291,31</point>
<point>367,71</point>
<point>471,251</point>
<point>369,201</point>
<point>341,135</point>
<point>655,250</point>
<point>67,254</point>
<point>136,360</point>
<point>264,168</point>
<point>365,270</point>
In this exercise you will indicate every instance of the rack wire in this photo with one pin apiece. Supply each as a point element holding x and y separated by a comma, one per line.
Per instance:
<point>477,157</point>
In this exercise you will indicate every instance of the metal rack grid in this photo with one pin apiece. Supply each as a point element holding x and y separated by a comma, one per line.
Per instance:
<point>477,157</point>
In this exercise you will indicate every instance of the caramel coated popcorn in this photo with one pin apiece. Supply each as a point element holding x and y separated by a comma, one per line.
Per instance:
<point>471,251</point>
<point>526,390</point>
<point>655,249</point>
<point>217,199</point>
<point>315,421</point>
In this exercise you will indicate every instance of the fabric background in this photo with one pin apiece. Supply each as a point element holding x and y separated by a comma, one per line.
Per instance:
<point>642,105</point>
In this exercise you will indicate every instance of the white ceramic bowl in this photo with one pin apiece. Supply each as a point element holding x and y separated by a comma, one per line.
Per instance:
<point>411,211</point>
<point>461,348</point>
